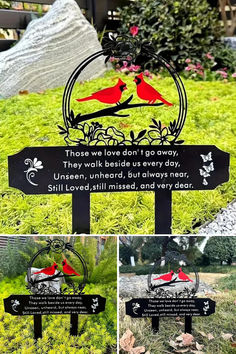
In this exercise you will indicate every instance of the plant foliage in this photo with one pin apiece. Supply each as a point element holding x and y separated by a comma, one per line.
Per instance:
<point>177,29</point>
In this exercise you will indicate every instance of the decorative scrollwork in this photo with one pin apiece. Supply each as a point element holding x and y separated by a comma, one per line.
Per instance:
<point>34,166</point>
<point>95,134</point>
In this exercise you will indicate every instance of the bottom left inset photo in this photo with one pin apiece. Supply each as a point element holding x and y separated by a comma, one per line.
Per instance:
<point>58,294</point>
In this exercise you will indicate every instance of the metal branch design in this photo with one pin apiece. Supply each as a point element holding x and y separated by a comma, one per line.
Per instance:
<point>55,276</point>
<point>110,111</point>
<point>168,283</point>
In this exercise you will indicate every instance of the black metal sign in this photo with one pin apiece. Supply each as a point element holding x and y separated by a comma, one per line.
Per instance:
<point>57,289</point>
<point>20,305</point>
<point>152,307</point>
<point>102,158</point>
<point>172,294</point>
<point>57,170</point>
<point>156,308</point>
<point>83,170</point>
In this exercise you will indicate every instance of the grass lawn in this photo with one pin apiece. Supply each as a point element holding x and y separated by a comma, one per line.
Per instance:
<point>31,120</point>
<point>97,334</point>
<point>218,324</point>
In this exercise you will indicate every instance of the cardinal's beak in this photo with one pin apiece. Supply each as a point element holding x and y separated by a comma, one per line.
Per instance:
<point>125,88</point>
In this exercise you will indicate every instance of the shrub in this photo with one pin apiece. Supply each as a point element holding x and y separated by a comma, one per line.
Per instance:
<point>222,249</point>
<point>177,29</point>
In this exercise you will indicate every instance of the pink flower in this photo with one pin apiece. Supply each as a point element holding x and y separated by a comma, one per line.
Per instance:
<point>133,68</point>
<point>209,56</point>
<point>199,72</point>
<point>112,59</point>
<point>188,61</point>
<point>234,75</point>
<point>222,73</point>
<point>134,30</point>
<point>187,68</point>
<point>148,74</point>
<point>199,66</point>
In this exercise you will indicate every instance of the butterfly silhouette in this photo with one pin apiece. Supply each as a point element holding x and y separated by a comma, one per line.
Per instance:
<point>204,173</point>
<point>207,157</point>
<point>209,168</point>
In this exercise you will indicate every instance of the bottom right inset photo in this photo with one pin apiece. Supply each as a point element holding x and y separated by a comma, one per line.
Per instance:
<point>177,294</point>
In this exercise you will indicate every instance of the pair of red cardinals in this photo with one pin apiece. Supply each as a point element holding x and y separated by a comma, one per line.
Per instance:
<point>112,95</point>
<point>168,276</point>
<point>67,269</point>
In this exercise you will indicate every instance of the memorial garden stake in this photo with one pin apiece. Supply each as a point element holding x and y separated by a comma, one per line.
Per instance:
<point>100,158</point>
<point>172,294</point>
<point>57,289</point>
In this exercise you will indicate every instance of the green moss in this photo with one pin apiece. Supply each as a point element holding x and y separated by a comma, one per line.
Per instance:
<point>32,120</point>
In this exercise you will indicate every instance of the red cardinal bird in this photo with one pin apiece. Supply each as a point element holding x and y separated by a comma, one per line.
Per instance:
<point>166,277</point>
<point>49,270</point>
<point>147,93</point>
<point>67,269</point>
<point>109,95</point>
<point>182,275</point>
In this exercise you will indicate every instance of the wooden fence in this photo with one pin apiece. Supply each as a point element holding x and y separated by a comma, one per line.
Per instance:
<point>101,13</point>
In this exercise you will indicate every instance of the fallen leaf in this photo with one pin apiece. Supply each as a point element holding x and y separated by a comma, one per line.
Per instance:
<point>210,336</point>
<point>226,336</point>
<point>202,333</point>
<point>233,345</point>
<point>23,92</point>
<point>173,344</point>
<point>179,338</point>
<point>127,341</point>
<point>187,339</point>
<point>199,346</point>
<point>214,98</point>
<point>137,350</point>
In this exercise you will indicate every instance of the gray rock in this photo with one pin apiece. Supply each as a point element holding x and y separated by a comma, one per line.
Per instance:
<point>231,41</point>
<point>47,287</point>
<point>49,51</point>
<point>223,224</point>
<point>136,286</point>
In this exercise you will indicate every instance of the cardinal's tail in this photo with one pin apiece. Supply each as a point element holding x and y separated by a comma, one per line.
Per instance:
<point>77,274</point>
<point>166,102</point>
<point>38,272</point>
<point>156,278</point>
<point>85,99</point>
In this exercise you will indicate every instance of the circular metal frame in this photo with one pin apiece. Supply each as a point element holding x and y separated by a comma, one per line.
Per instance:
<point>171,256</point>
<point>50,248</point>
<point>108,51</point>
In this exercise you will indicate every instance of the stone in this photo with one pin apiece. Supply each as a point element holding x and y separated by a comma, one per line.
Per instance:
<point>231,41</point>
<point>49,51</point>
<point>47,287</point>
<point>136,286</point>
